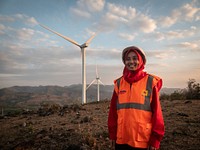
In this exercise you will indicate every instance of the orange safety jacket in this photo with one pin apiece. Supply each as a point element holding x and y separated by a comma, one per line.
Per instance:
<point>134,121</point>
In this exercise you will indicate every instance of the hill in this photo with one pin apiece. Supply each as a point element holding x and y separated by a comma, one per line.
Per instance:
<point>169,91</point>
<point>34,96</point>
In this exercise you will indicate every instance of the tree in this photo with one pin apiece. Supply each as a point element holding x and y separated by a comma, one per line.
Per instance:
<point>193,90</point>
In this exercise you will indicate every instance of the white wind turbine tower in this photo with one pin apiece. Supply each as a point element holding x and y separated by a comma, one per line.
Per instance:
<point>83,46</point>
<point>97,79</point>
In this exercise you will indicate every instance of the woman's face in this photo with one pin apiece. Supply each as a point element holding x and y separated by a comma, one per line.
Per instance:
<point>132,61</point>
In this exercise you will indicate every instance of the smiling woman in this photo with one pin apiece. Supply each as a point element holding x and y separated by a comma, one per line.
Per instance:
<point>135,118</point>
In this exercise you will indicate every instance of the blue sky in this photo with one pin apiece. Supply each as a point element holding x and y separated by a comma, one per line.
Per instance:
<point>168,32</point>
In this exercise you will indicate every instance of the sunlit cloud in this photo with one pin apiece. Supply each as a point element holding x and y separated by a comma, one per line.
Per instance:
<point>161,54</point>
<point>186,12</point>
<point>117,16</point>
<point>180,33</point>
<point>91,5</point>
<point>188,45</point>
<point>80,13</point>
<point>144,23</point>
<point>119,10</point>
<point>84,8</point>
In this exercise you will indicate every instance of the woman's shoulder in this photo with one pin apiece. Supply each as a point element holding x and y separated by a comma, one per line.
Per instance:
<point>157,81</point>
<point>154,76</point>
<point>118,80</point>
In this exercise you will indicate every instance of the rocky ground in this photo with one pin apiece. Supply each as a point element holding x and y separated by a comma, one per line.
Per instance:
<point>77,127</point>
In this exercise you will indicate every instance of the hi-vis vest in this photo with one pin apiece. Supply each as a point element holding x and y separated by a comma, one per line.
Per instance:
<point>134,111</point>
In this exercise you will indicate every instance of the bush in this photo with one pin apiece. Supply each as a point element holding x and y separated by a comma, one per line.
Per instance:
<point>191,92</point>
<point>178,95</point>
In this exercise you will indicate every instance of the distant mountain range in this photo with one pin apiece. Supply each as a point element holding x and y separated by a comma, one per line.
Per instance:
<point>36,95</point>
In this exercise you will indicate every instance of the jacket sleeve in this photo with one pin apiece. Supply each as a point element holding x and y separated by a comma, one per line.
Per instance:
<point>158,129</point>
<point>112,117</point>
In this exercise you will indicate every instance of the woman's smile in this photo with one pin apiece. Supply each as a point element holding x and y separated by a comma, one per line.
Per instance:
<point>131,61</point>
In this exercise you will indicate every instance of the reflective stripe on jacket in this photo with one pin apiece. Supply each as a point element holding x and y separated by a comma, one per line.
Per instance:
<point>134,111</point>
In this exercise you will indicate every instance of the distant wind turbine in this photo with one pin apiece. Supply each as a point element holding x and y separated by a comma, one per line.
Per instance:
<point>83,46</point>
<point>97,79</point>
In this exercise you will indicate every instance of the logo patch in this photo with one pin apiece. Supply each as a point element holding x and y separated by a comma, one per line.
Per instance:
<point>144,93</point>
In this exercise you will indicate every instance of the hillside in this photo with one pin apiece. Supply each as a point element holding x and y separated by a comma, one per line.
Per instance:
<point>84,127</point>
<point>34,96</point>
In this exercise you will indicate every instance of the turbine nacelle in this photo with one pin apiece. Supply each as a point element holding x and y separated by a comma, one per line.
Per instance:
<point>84,45</point>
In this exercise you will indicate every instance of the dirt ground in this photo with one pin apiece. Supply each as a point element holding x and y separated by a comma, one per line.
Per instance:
<point>85,127</point>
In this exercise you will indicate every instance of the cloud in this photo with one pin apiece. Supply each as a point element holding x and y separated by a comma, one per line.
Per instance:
<point>128,37</point>
<point>188,45</point>
<point>161,54</point>
<point>167,21</point>
<point>4,18</point>
<point>80,13</point>
<point>132,19</point>
<point>108,23</point>
<point>104,53</point>
<point>22,52</point>
<point>19,60</point>
<point>143,23</point>
<point>84,8</point>
<point>180,33</point>
<point>187,12</point>
<point>117,16</point>
<point>114,16</point>
<point>119,10</point>
<point>25,34</point>
<point>30,21</point>
<point>91,5</point>
<point>158,36</point>
<point>2,28</point>
<point>173,34</point>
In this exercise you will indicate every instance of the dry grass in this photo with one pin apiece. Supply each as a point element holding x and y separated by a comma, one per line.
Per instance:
<point>85,127</point>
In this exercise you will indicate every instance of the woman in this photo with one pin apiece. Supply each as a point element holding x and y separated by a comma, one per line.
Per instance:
<point>135,117</point>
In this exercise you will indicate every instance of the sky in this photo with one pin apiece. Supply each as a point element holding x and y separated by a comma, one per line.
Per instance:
<point>167,31</point>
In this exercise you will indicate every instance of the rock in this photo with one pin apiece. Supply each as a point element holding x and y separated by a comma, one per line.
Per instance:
<point>182,114</point>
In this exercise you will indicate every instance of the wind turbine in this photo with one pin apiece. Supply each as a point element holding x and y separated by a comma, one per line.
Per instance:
<point>97,79</point>
<point>83,46</point>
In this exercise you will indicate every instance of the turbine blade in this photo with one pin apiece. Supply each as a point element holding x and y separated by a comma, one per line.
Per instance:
<point>66,38</point>
<point>101,82</point>
<point>90,39</point>
<point>90,84</point>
